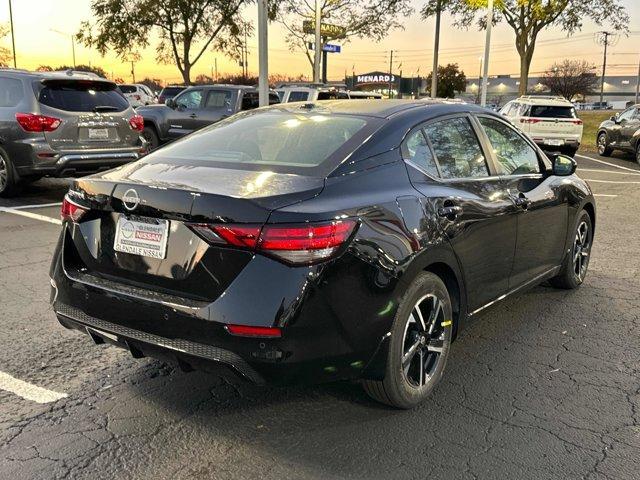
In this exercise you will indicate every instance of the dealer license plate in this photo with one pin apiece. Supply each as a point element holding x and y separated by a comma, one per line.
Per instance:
<point>554,142</point>
<point>142,236</point>
<point>98,134</point>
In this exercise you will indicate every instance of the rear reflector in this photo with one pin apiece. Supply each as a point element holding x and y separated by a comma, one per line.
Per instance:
<point>137,123</point>
<point>249,331</point>
<point>37,123</point>
<point>299,244</point>
<point>71,211</point>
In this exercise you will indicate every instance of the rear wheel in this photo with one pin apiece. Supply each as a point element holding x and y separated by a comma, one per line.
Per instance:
<point>151,136</point>
<point>638,153</point>
<point>603,146</point>
<point>576,263</point>
<point>420,342</point>
<point>9,179</point>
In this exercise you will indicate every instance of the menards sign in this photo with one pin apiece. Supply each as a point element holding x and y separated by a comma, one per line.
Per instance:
<point>375,77</point>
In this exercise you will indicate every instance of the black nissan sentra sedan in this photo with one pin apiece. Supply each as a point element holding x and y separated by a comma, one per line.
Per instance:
<point>322,241</point>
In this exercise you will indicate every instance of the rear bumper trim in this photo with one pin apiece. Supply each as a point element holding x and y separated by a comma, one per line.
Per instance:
<point>208,352</point>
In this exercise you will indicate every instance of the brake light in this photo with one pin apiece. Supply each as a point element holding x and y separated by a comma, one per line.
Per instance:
<point>303,244</point>
<point>31,122</point>
<point>71,211</point>
<point>250,331</point>
<point>136,123</point>
<point>577,122</point>
<point>530,120</point>
<point>137,97</point>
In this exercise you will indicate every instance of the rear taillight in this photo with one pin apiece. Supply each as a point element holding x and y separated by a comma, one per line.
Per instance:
<point>576,122</point>
<point>137,97</point>
<point>31,122</point>
<point>249,331</point>
<point>530,120</point>
<point>303,244</point>
<point>137,123</point>
<point>71,211</point>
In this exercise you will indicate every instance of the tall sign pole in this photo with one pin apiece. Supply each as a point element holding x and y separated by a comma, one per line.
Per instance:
<point>638,85</point>
<point>487,46</point>
<point>263,57</point>
<point>436,47</point>
<point>318,46</point>
<point>13,38</point>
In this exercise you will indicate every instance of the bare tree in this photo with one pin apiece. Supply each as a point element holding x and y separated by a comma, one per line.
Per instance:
<point>359,18</point>
<point>571,79</point>
<point>185,28</point>
<point>5,53</point>
<point>527,18</point>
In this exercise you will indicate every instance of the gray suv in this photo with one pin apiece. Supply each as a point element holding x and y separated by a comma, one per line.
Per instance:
<point>63,124</point>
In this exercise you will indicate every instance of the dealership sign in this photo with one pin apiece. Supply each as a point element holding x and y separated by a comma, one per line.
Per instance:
<point>375,77</point>
<point>326,29</point>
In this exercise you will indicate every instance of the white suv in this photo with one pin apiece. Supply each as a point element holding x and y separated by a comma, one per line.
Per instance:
<point>137,94</point>
<point>551,122</point>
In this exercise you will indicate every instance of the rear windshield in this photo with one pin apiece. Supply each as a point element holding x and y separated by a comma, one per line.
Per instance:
<point>127,88</point>
<point>82,96</point>
<point>171,91</point>
<point>294,142</point>
<point>548,111</point>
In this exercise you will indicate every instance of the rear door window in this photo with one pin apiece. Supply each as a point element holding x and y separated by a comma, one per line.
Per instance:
<point>551,111</point>
<point>11,92</point>
<point>515,156</point>
<point>457,148</point>
<point>419,153</point>
<point>217,99</point>
<point>82,96</point>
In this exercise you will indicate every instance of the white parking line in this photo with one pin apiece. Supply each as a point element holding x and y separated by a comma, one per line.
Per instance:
<point>43,205</point>
<point>606,163</point>
<point>600,170</point>
<point>35,216</point>
<point>610,181</point>
<point>603,195</point>
<point>27,390</point>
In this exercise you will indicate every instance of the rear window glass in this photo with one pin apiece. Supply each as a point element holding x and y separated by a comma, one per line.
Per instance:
<point>273,138</point>
<point>127,88</point>
<point>548,111</point>
<point>11,92</point>
<point>298,96</point>
<point>82,96</point>
<point>171,91</point>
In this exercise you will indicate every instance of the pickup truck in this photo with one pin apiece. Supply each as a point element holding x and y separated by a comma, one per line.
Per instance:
<point>195,108</point>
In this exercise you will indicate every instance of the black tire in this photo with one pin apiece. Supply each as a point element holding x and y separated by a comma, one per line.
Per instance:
<point>151,136</point>
<point>9,178</point>
<point>572,274</point>
<point>603,145</point>
<point>405,387</point>
<point>638,153</point>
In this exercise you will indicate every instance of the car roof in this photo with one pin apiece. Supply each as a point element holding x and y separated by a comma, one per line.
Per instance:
<point>544,100</point>
<point>376,107</point>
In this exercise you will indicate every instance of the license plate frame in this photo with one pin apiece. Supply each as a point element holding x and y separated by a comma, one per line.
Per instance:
<point>98,134</point>
<point>556,142</point>
<point>141,236</point>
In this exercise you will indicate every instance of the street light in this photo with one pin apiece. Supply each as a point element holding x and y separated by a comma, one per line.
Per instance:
<point>73,46</point>
<point>13,38</point>
<point>263,54</point>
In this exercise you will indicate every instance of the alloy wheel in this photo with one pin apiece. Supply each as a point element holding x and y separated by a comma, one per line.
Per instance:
<point>423,341</point>
<point>638,154</point>
<point>602,143</point>
<point>4,174</point>
<point>581,250</point>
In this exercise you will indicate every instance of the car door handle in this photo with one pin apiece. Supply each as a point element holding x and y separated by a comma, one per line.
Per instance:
<point>450,211</point>
<point>522,201</point>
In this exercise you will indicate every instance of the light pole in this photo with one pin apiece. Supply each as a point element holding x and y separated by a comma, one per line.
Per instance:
<point>73,46</point>
<point>13,38</point>
<point>479,80</point>
<point>263,54</point>
<point>487,45</point>
<point>638,84</point>
<point>318,46</point>
<point>436,46</point>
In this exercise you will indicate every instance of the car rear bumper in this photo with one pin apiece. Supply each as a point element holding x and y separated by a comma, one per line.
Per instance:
<point>72,164</point>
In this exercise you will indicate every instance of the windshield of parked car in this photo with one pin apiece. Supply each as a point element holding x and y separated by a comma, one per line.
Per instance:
<point>549,111</point>
<point>82,96</point>
<point>127,88</point>
<point>273,138</point>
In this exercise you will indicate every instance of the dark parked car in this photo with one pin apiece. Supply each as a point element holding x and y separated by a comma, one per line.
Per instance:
<point>621,132</point>
<point>317,242</point>
<point>170,91</point>
<point>194,108</point>
<point>62,124</point>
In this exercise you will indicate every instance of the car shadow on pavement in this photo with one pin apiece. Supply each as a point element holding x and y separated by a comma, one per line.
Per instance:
<point>523,376</point>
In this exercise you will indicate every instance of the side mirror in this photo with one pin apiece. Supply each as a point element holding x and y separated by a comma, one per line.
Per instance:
<point>614,118</point>
<point>563,166</point>
<point>171,103</point>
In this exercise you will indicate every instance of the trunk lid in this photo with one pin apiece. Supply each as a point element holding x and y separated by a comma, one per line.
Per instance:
<point>178,195</point>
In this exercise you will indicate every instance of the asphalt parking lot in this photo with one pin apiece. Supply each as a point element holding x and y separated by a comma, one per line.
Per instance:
<point>543,385</point>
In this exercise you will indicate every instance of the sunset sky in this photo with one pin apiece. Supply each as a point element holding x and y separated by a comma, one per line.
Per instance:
<point>36,44</point>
